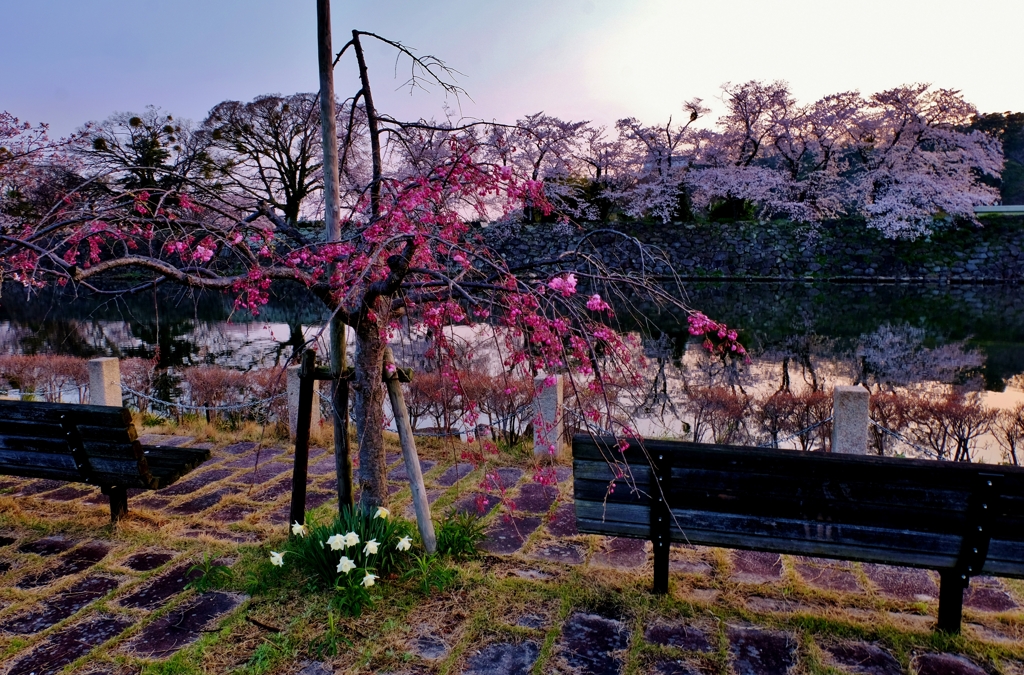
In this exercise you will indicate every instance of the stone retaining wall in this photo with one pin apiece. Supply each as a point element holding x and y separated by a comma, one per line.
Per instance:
<point>783,250</point>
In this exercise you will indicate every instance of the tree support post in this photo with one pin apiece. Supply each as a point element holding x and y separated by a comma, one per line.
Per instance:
<point>412,460</point>
<point>342,454</point>
<point>297,513</point>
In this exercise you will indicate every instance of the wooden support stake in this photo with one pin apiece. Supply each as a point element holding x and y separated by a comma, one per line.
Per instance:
<point>412,460</point>
<point>298,506</point>
<point>342,452</point>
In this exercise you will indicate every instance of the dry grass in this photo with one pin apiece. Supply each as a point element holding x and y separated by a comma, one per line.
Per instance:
<point>285,623</point>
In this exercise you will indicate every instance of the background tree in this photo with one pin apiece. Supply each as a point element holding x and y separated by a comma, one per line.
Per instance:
<point>269,149</point>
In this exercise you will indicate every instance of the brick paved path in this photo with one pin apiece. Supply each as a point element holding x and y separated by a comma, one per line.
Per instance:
<point>65,597</point>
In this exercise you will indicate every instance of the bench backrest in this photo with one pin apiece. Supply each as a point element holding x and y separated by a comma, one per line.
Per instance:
<point>876,509</point>
<point>64,441</point>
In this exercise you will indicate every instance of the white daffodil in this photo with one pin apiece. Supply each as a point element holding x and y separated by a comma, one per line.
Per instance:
<point>277,558</point>
<point>345,565</point>
<point>382,512</point>
<point>404,544</point>
<point>369,579</point>
<point>299,530</point>
<point>336,542</point>
<point>350,539</point>
<point>371,547</point>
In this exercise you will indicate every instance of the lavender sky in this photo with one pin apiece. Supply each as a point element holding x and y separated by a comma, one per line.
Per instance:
<point>69,61</point>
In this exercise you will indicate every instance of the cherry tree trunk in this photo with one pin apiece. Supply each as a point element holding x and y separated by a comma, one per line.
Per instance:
<point>368,413</point>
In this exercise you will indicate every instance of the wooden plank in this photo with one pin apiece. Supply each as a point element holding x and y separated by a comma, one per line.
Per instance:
<point>600,471</point>
<point>787,533</point>
<point>852,514</point>
<point>598,526</point>
<point>167,464</point>
<point>30,429</point>
<point>119,434</point>
<point>1005,558</point>
<point>697,454</point>
<point>59,445</point>
<point>34,445</point>
<point>13,460</point>
<point>119,472</point>
<point>881,496</point>
<point>33,411</point>
<point>48,472</point>
<point>125,450</point>
<point>895,514</point>
<point>882,491</point>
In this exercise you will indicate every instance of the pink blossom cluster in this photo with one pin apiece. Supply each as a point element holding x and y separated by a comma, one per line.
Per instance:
<point>718,338</point>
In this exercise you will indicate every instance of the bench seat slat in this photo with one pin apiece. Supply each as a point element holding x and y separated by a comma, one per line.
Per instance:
<point>50,413</point>
<point>765,487</point>
<point>896,514</point>
<point>43,446</point>
<point>122,472</point>
<point>88,432</point>
<point>907,547</point>
<point>771,461</point>
<point>1005,558</point>
<point>168,464</point>
<point>128,450</point>
<point>119,435</point>
<point>12,460</point>
<point>807,548</point>
<point>841,487</point>
<point>49,440</point>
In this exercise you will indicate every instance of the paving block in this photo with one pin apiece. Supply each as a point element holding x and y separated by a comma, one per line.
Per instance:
<point>503,658</point>
<point>66,646</point>
<point>183,625</point>
<point>591,644</point>
<point>754,651</point>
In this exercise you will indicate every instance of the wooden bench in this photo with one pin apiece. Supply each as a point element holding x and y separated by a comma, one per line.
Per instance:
<point>957,518</point>
<point>90,444</point>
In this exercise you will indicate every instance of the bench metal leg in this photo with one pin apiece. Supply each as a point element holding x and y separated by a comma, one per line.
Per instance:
<point>951,601</point>
<point>118,503</point>
<point>661,551</point>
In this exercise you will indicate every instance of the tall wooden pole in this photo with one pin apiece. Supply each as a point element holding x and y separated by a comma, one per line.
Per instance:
<point>332,218</point>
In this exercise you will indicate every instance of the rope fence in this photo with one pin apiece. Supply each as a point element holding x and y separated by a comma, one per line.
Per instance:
<point>903,439</point>
<point>787,439</point>
<point>202,408</point>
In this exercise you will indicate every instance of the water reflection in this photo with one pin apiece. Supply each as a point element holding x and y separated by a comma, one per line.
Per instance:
<point>803,337</point>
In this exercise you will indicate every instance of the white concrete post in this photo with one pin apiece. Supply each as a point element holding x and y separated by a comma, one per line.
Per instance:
<point>850,420</point>
<point>547,419</point>
<point>293,402</point>
<point>105,382</point>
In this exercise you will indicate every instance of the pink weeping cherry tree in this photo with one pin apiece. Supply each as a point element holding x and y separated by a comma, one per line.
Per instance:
<point>408,252</point>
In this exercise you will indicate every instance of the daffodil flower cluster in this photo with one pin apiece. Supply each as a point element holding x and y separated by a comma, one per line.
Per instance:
<point>344,542</point>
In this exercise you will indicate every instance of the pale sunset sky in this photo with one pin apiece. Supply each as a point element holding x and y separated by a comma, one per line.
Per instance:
<point>70,61</point>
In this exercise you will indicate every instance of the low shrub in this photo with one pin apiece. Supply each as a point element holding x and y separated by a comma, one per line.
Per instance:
<point>459,534</point>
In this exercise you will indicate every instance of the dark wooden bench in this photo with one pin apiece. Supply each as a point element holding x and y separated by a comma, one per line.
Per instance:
<point>957,518</point>
<point>90,444</point>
